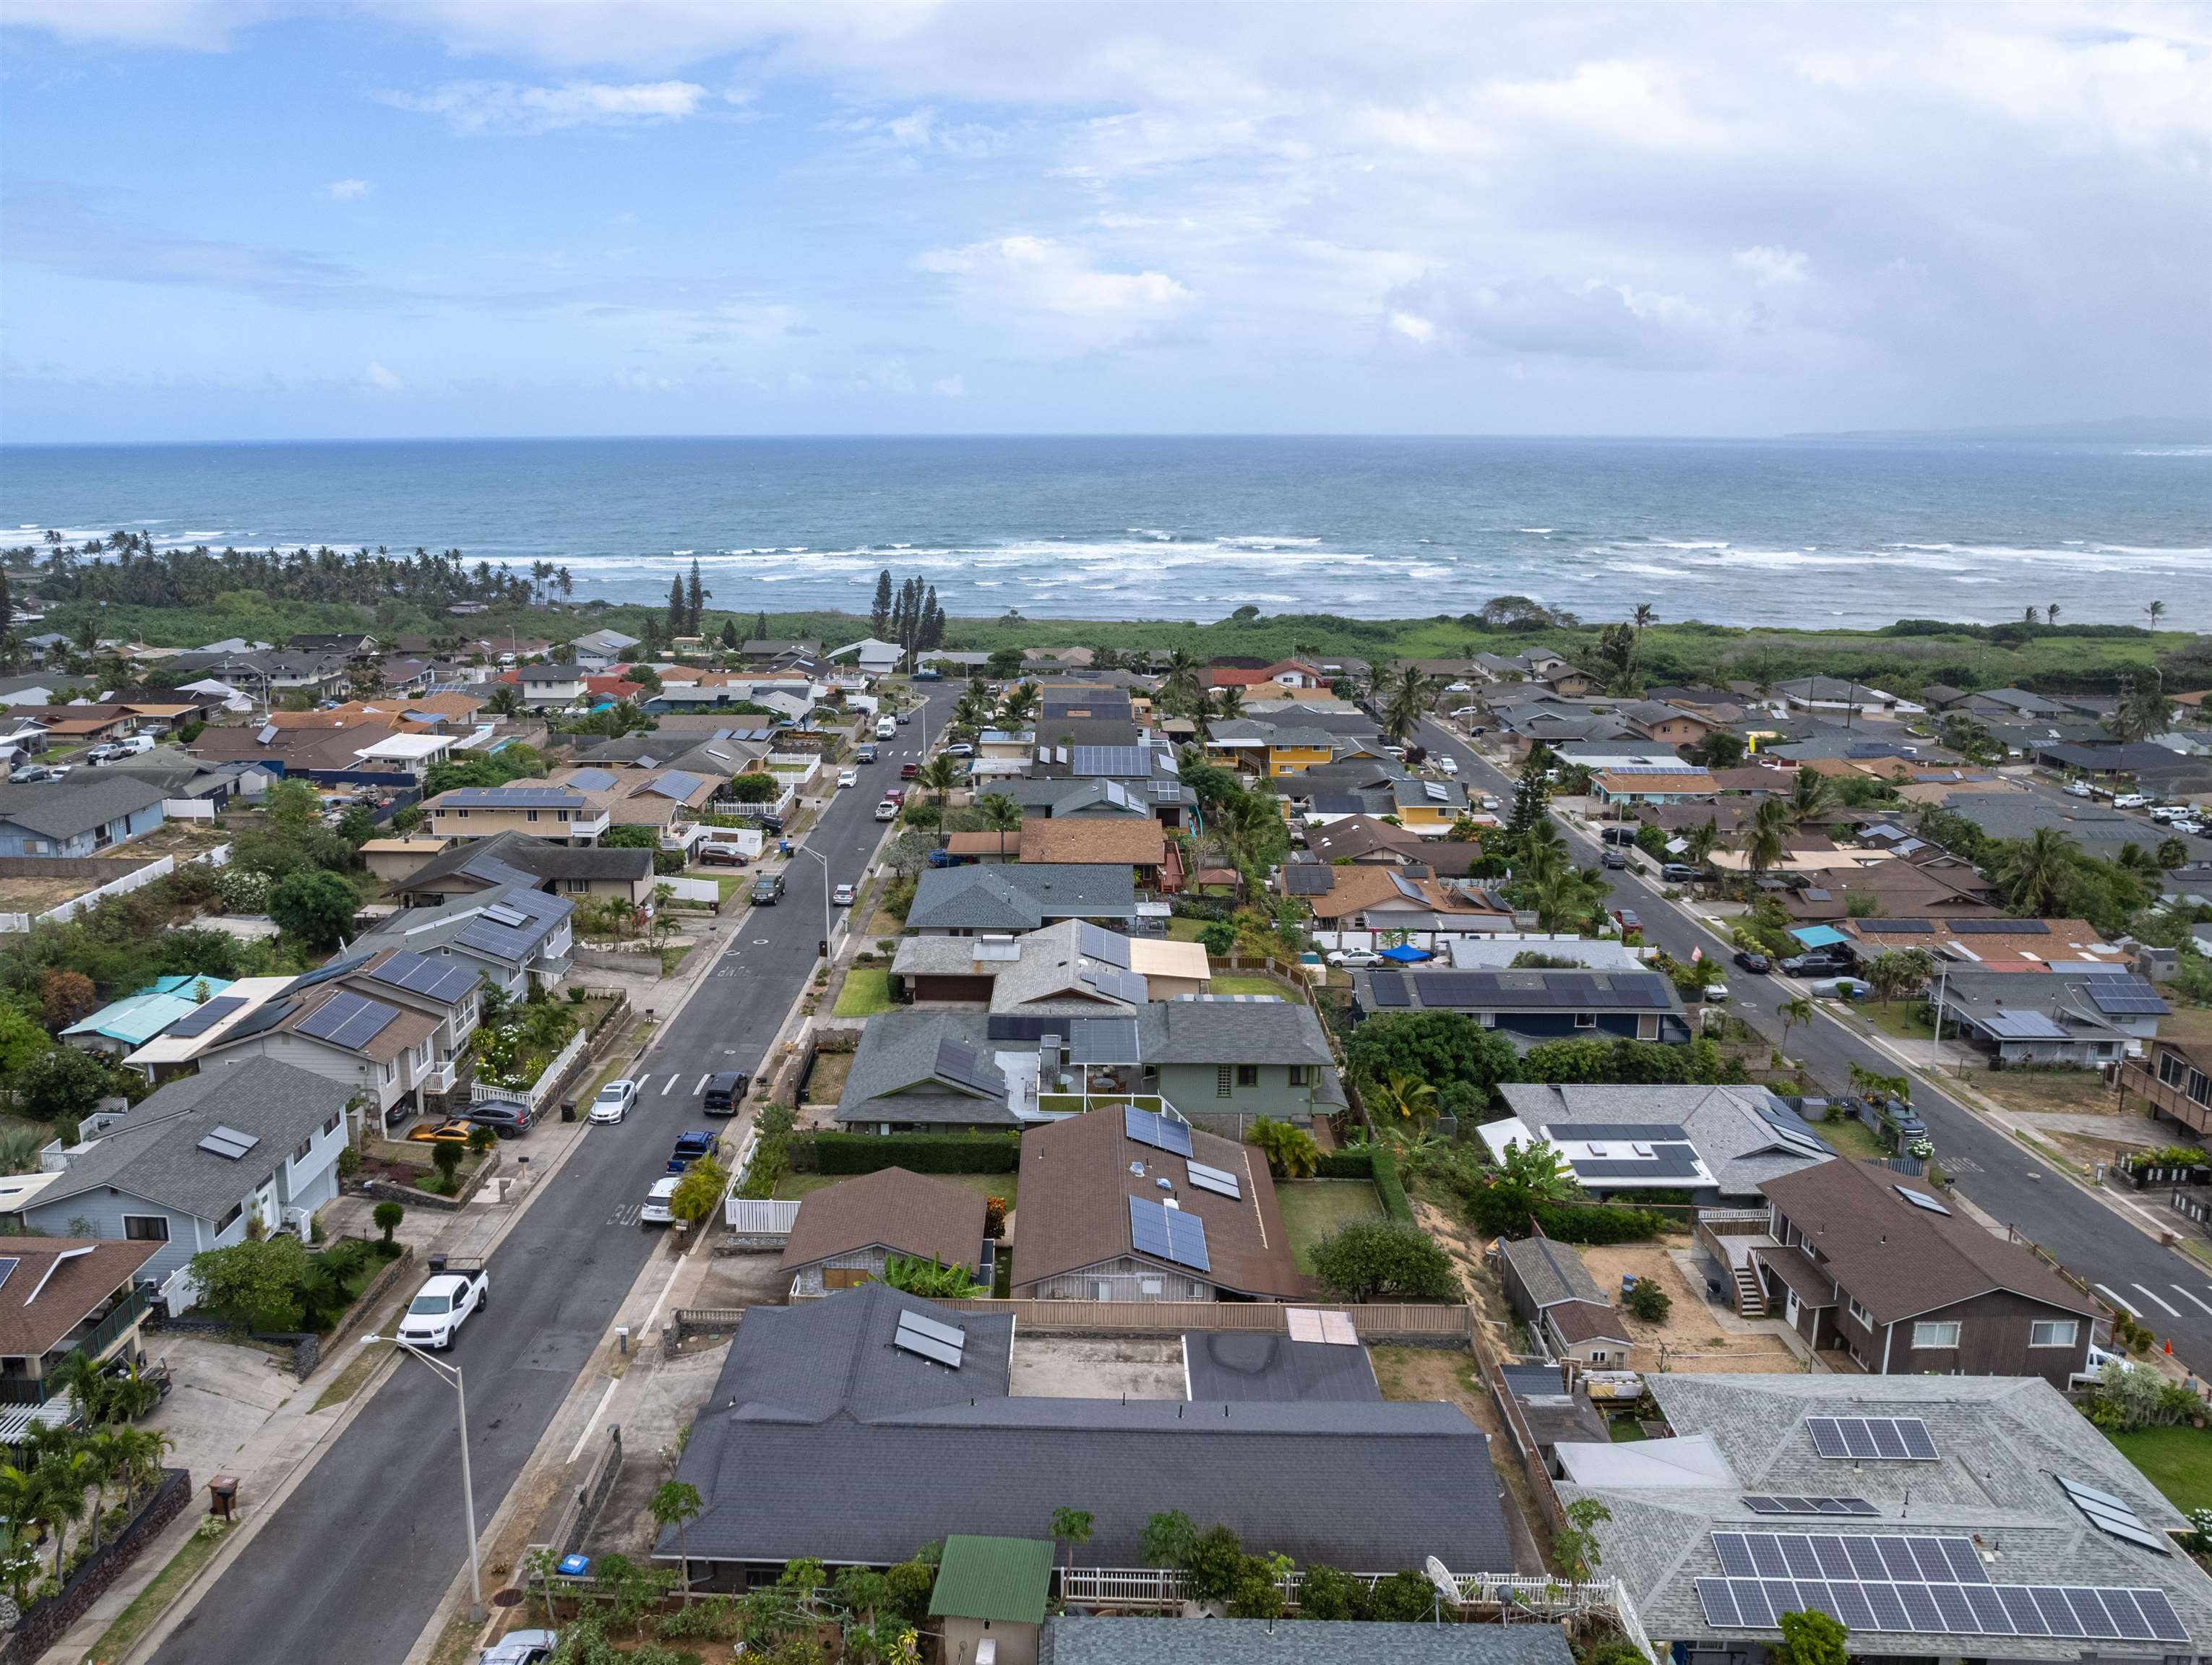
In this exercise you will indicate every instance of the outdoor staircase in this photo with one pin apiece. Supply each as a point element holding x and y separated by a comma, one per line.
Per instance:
<point>1750,1296</point>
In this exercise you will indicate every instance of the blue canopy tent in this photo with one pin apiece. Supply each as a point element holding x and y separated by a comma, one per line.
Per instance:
<point>1407,955</point>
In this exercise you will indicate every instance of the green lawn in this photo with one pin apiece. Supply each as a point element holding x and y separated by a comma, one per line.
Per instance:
<point>983,1185</point>
<point>1312,1208</point>
<point>1229,983</point>
<point>1853,1137</point>
<point>2177,1460</point>
<point>1186,930</point>
<point>868,991</point>
<point>1900,1019</point>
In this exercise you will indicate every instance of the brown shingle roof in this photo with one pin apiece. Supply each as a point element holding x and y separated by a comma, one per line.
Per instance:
<point>1075,1188</point>
<point>1353,889</point>
<point>77,1288</point>
<point>906,1212</point>
<point>1586,1320</point>
<point>1095,840</point>
<point>1897,1260</point>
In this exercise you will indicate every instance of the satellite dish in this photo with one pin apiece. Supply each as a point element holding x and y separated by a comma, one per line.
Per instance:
<point>1447,1587</point>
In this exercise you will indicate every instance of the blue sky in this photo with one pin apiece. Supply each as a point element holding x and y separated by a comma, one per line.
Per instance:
<point>437,217</point>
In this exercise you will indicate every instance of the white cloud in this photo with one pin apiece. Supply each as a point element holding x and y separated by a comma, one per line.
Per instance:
<point>477,107</point>
<point>1414,327</point>
<point>949,387</point>
<point>381,379</point>
<point>1772,266</point>
<point>347,191</point>
<point>1039,273</point>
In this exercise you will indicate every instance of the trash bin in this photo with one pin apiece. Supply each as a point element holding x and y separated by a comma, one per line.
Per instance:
<point>222,1495</point>
<point>568,1109</point>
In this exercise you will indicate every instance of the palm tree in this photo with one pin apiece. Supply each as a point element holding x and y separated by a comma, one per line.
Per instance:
<point>1697,842</point>
<point>1809,796</point>
<point>1405,1096</point>
<point>2157,612</point>
<point>1071,1527</point>
<point>62,1477</point>
<point>937,777</point>
<point>1000,812</point>
<point>1248,827</point>
<point>1792,1013</point>
<point>22,1504</point>
<point>2144,710</point>
<point>2035,873</point>
<point>2029,615</point>
<point>1186,679</point>
<point>2051,613</point>
<point>1406,699</point>
<point>1644,616</point>
<point>677,1503</point>
<point>1230,702</point>
<point>1763,845</point>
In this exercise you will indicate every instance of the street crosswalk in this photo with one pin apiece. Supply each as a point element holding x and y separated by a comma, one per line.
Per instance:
<point>2149,1294</point>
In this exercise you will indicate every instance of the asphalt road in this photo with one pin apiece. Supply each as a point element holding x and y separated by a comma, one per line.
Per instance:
<point>2168,1291</point>
<point>358,1558</point>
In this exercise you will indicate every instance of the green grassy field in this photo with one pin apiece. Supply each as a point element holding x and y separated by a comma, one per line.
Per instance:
<point>1853,1137</point>
<point>1312,1208</point>
<point>2177,1460</point>
<point>1229,982</point>
<point>868,991</point>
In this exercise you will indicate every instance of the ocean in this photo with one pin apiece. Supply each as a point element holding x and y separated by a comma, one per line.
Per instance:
<point>1809,534</point>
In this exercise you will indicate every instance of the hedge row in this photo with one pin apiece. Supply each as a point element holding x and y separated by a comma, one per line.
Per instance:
<point>1387,1186</point>
<point>920,1153</point>
<point>1357,1163</point>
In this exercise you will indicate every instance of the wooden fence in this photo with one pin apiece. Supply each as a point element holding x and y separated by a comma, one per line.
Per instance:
<point>1373,1323</point>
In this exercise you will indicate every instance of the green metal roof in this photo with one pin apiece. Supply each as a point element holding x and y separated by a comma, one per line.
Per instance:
<point>1004,1580</point>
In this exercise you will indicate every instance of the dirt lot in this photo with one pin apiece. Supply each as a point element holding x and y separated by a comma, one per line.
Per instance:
<point>1485,1294</point>
<point>742,1280</point>
<point>1070,1367</point>
<point>2079,1092</point>
<point>1694,1335</point>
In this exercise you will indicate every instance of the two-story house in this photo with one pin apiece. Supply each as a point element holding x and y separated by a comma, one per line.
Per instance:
<point>384,1051</point>
<point>1231,1056</point>
<point>77,817</point>
<point>2174,1080</point>
<point>537,808</point>
<point>190,1166</point>
<point>426,874</point>
<point>64,1295</point>
<point>516,936</point>
<point>1669,724</point>
<point>601,650</point>
<point>1868,1260</point>
<point>551,684</point>
<point>1533,1005</point>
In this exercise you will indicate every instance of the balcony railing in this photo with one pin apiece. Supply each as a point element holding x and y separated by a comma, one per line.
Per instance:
<point>2170,1100</point>
<point>36,1390</point>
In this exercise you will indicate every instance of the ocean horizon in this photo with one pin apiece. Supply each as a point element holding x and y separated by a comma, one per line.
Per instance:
<point>1825,531</point>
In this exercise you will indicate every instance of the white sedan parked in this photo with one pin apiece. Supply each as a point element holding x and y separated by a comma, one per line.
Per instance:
<point>848,777</point>
<point>614,1102</point>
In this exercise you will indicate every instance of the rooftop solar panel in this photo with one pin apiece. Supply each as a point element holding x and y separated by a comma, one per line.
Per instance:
<point>2126,997</point>
<point>1218,1181</point>
<point>677,784</point>
<point>1997,928</point>
<point>592,779</point>
<point>1308,879</point>
<point>206,1016</point>
<point>347,1019</point>
<point>1161,1132</point>
<point>263,1018</point>
<point>1100,943</point>
<point>1388,988</point>
<point>323,974</point>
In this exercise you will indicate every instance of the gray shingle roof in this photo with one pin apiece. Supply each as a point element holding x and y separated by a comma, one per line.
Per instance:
<point>1253,1365</point>
<point>494,859</point>
<point>69,808</point>
<point>895,1451</point>
<point>1739,1144</point>
<point>155,1153</point>
<point>1550,1272</point>
<point>443,927</point>
<point>1020,898</point>
<point>1327,1641</point>
<point>1231,1032</point>
<point>897,1074</point>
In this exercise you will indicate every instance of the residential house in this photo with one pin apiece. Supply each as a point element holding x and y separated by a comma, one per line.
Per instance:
<point>2082,1017</point>
<point>64,1295</point>
<point>1237,1056</point>
<point>368,1044</point>
<point>1976,1517</point>
<point>1428,808</point>
<point>1869,1261</point>
<point>1669,724</point>
<point>761,651</point>
<point>196,1164</point>
<point>306,752</point>
<point>927,1070</point>
<point>123,1025</point>
<point>1498,953</point>
<point>1378,899</point>
<point>1736,1138</point>
<point>1133,1641</point>
<point>928,1425</point>
<point>1985,944</point>
<point>430,872</point>
<point>1533,1007</point>
<point>1267,748</point>
<point>179,1047</point>
<point>845,1234</point>
<point>875,658</point>
<point>1832,694</point>
<point>601,650</point>
<point>1646,784</point>
<point>77,817</point>
<point>1549,1287</point>
<point>968,901</point>
<point>518,937</point>
<point>539,809</point>
<point>1946,890</point>
<point>663,799</point>
<point>1125,1205</point>
<point>2174,1080</point>
<point>1044,970</point>
<point>1120,841</point>
<point>350,644</point>
<point>268,676</point>
<point>2098,829</point>
<point>551,684</point>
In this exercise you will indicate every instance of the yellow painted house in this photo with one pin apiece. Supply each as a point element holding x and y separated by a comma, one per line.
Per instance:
<point>1429,806</point>
<point>1267,749</point>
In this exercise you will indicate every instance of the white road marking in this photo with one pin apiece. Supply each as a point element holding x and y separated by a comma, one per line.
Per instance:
<point>645,1328</point>
<point>671,1087</point>
<point>579,1451</point>
<point>2150,1295</point>
<point>2119,1300</point>
<point>2186,1296</point>
<point>701,1088</point>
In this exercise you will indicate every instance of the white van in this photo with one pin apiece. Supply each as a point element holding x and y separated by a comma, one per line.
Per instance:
<point>887,727</point>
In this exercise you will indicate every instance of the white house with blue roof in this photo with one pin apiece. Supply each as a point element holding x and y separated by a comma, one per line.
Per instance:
<point>124,1025</point>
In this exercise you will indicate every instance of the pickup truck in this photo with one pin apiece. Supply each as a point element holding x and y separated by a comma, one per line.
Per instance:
<point>449,1297</point>
<point>689,1147</point>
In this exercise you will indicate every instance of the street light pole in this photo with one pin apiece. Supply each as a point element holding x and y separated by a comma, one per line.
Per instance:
<point>452,1373</point>
<point>828,917</point>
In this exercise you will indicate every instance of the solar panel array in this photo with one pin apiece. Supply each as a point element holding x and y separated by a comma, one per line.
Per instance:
<point>1150,1127</point>
<point>229,1142</point>
<point>1764,1505</point>
<point>1914,1586</point>
<point>1791,1131</point>
<point>677,784</point>
<point>1872,1438</point>
<point>1308,879</point>
<point>1131,760</point>
<point>1997,928</point>
<point>1408,890</point>
<point>1103,1041</point>
<point>2126,997</point>
<point>1388,988</point>
<point>435,979</point>
<point>323,974</point>
<point>512,798</point>
<point>1097,943</point>
<point>512,928</point>
<point>1113,983</point>
<point>1168,1233</point>
<point>592,779</point>
<point>8,1267</point>
<point>205,1017</point>
<point>958,1062</point>
<point>943,1343</point>
<point>2112,1515</point>
<point>1581,990</point>
<point>1220,1181</point>
<point>348,1020</point>
<point>265,1018</point>
<point>1920,1200</point>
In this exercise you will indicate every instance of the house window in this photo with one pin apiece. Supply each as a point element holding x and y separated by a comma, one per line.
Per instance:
<point>2170,1069</point>
<point>1647,1027</point>
<point>146,1228</point>
<point>1247,1075</point>
<point>306,1146</point>
<point>530,815</point>
<point>1936,1335</point>
<point>1222,1077</point>
<point>331,1125</point>
<point>1585,1020</point>
<point>1860,1316</point>
<point>229,1220</point>
<point>387,1072</point>
<point>463,814</point>
<point>1299,1073</point>
<point>2200,1086</point>
<point>2053,1332</point>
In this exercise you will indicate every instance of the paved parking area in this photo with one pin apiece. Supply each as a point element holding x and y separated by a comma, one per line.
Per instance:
<point>222,1395</point>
